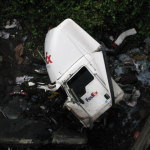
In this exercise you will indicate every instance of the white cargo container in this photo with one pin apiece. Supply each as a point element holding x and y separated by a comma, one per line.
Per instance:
<point>75,62</point>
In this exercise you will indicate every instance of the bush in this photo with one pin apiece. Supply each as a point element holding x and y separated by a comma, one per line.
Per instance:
<point>95,16</point>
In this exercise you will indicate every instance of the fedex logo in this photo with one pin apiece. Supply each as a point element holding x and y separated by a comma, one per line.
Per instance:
<point>93,94</point>
<point>48,58</point>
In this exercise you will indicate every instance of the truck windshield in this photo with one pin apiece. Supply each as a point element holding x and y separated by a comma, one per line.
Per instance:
<point>79,81</point>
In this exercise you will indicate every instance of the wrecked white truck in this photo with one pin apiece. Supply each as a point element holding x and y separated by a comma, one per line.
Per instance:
<point>76,63</point>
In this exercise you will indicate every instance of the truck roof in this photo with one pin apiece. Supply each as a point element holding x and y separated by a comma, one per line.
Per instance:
<point>65,45</point>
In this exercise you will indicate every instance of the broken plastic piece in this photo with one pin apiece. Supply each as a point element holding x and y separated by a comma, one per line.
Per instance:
<point>31,83</point>
<point>40,71</point>
<point>111,38</point>
<point>13,25</point>
<point>44,87</point>
<point>4,35</point>
<point>123,35</point>
<point>42,107</point>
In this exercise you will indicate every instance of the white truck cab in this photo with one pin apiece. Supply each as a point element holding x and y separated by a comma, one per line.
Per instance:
<point>75,62</point>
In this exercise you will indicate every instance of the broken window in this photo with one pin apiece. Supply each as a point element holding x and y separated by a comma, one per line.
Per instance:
<point>79,81</point>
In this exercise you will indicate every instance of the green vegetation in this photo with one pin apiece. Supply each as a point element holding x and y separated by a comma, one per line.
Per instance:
<point>95,16</point>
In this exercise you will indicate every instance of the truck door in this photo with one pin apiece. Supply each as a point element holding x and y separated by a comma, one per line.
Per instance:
<point>90,92</point>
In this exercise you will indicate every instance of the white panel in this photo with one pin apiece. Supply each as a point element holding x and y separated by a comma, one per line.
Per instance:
<point>66,44</point>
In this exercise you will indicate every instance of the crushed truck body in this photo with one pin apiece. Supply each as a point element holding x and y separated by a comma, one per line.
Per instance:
<point>76,63</point>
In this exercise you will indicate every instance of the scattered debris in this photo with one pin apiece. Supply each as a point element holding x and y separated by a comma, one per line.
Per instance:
<point>33,117</point>
<point>4,35</point>
<point>14,24</point>
<point>134,97</point>
<point>20,80</point>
